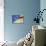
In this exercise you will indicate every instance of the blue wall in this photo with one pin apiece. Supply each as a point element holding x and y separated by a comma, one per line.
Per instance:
<point>13,32</point>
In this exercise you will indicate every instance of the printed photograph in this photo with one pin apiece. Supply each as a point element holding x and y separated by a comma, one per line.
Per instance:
<point>17,19</point>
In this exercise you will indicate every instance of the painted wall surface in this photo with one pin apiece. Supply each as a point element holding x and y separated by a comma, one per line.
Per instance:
<point>28,8</point>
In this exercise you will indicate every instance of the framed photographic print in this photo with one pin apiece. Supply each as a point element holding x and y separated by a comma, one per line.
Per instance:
<point>19,19</point>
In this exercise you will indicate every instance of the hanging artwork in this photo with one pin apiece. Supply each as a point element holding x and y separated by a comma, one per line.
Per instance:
<point>17,19</point>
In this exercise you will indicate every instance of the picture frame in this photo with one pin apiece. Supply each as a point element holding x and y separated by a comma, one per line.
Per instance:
<point>17,19</point>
